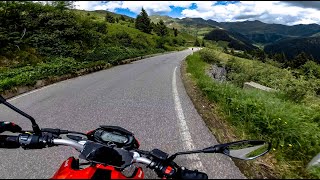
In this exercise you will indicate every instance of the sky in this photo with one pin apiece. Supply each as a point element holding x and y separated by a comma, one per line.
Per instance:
<point>278,12</point>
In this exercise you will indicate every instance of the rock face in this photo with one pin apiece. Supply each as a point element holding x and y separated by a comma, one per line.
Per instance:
<point>217,73</point>
<point>253,85</point>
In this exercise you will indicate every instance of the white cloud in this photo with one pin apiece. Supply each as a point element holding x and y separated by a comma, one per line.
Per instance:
<point>265,11</point>
<point>134,6</point>
<point>87,5</point>
<point>280,12</point>
<point>110,6</point>
<point>155,6</point>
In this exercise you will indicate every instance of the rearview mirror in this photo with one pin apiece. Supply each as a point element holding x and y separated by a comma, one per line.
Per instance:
<point>246,150</point>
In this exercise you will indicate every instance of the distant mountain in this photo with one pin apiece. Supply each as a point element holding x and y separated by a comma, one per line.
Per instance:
<point>104,12</point>
<point>194,26</point>
<point>256,31</point>
<point>265,38</point>
<point>264,33</point>
<point>235,40</point>
<point>293,46</point>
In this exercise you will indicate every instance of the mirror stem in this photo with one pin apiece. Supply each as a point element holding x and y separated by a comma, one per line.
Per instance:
<point>214,149</point>
<point>35,126</point>
<point>172,157</point>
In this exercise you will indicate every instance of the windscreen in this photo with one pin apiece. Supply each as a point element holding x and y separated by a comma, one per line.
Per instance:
<point>113,156</point>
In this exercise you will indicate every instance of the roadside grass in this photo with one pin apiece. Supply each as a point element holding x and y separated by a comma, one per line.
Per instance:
<point>58,66</point>
<point>292,128</point>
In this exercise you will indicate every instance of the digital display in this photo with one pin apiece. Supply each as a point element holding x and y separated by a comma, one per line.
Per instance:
<point>106,136</point>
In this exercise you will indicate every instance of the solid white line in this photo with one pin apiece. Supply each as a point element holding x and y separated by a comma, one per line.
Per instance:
<point>14,98</point>
<point>184,130</point>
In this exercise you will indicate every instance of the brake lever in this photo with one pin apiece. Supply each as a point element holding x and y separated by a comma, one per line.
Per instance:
<point>54,131</point>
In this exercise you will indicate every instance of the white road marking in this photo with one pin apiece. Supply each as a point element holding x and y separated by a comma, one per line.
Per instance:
<point>184,130</point>
<point>14,98</point>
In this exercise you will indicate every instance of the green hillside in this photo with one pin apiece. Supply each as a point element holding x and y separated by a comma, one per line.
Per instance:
<point>42,41</point>
<point>234,40</point>
<point>294,46</point>
<point>195,27</point>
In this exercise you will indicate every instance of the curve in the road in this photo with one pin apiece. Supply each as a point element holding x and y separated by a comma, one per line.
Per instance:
<point>146,97</point>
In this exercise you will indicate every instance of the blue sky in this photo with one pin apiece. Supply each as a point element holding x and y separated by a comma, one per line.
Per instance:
<point>280,12</point>
<point>175,11</point>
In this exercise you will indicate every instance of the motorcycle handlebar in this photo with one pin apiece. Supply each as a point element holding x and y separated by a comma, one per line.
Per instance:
<point>28,141</point>
<point>33,141</point>
<point>67,142</point>
<point>9,141</point>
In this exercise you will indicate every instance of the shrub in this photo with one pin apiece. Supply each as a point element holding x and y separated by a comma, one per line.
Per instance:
<point>209,56</point>
<point>292,128</point>
<point>311,69</point>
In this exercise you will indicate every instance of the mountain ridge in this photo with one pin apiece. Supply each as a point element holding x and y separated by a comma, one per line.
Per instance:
<point>254,30</point>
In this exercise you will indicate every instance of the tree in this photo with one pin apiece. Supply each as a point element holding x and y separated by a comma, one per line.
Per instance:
<point>122,18</point>
<point>203,44</point>
<point>153,26</point>
<point>109,18</point>
<point>197,43</point>
<point>280,57</point>
<point>143,22</point>
<point>161,28</point>
<point>259,54</point>
<point>175,32</point>
<point>117,20</point>
<point>63,5</point>
<point>298,60</point>
<point>225,49</point>
<point>232,51</point>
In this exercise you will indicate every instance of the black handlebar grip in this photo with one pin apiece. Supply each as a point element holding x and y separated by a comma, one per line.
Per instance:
<point>190,174</point>
<point>9,142</point>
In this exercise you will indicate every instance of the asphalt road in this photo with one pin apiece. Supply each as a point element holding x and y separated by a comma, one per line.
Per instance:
<point>244,152</point>
<point>142,97</point>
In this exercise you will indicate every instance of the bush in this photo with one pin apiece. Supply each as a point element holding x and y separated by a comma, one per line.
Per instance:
<point>291,87</point>
<point>141,42</point>
<point>209,56</point>
<point>123,38</point>
<point>160,43</point>
<point>292,128</point>
<point>311,69</point>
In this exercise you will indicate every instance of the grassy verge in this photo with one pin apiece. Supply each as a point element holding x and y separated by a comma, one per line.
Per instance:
<point>53,70</point>
<point>252,114</point>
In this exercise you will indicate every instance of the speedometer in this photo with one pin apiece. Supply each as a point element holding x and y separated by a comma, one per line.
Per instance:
<point>114,135</point>
<point>107,136</point>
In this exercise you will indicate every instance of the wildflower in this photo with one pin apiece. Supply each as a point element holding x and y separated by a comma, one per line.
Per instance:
<point>290,145</point>
<point>273,149</point>
<point>285,123</point>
